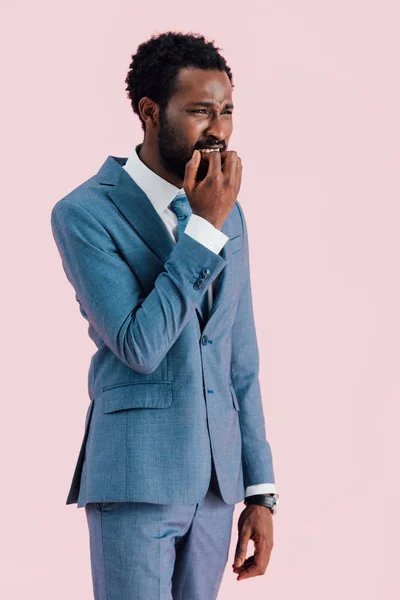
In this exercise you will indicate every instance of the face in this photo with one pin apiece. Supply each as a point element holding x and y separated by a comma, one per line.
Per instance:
<point>198,115</point>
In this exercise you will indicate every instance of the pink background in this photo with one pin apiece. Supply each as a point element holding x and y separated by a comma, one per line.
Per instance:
<point>317,126</point>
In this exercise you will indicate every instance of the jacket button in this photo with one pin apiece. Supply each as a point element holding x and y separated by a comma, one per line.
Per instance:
<point>204,340</point>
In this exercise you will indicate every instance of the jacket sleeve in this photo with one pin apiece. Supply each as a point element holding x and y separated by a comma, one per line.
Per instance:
<point>139,330</point>
<point>256,450</point>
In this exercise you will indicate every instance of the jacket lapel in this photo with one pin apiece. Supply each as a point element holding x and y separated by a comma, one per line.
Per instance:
<point>141,214</point>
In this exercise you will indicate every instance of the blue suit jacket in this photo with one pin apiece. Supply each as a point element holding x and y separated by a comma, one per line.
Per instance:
<point>165,387</point>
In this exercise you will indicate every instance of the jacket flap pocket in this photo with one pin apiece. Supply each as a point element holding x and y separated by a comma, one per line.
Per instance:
<point>150,394</point>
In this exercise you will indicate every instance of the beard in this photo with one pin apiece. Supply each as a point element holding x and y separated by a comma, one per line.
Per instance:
<point>175,152</point>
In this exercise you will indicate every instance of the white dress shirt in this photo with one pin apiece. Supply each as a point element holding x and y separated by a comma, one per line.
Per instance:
<point>161,192</point>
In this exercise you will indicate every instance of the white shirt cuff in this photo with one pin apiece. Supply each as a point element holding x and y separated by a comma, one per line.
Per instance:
<point>204,232</point>
<point>260,488</point>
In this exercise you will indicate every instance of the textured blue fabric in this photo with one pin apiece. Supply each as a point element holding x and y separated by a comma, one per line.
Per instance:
<point>140,550</point>
<point>167,391</point>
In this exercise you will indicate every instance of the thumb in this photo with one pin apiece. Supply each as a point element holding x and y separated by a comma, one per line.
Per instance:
<point>191,170</point>
<point>241,550</point>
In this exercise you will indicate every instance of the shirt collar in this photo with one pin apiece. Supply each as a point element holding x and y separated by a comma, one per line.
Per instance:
<point>159,191</point>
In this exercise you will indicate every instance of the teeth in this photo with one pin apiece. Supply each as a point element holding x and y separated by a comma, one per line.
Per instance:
<point>207,150</point>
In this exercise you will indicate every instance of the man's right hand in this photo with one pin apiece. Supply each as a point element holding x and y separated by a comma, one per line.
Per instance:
<point>214,196</point>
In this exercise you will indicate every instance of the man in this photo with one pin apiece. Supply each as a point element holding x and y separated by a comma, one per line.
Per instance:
<point>156,249</point>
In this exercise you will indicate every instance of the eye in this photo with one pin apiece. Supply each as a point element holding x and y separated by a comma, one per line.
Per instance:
<point>228,112</point>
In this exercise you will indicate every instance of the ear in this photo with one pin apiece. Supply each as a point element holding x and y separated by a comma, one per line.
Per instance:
<point>149,111</point>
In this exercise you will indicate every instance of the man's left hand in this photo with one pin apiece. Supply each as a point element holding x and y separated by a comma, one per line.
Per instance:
<point>255,523</point>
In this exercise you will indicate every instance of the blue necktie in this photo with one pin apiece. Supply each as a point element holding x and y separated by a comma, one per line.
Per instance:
<point>181,207</point>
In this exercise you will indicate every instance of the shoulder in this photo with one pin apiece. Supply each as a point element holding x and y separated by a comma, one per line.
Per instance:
<point>89,200</point>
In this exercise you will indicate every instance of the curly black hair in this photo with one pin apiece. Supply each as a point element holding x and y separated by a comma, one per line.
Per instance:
<point>156,64</point>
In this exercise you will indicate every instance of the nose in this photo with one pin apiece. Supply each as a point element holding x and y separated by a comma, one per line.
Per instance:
<point>216,130</point>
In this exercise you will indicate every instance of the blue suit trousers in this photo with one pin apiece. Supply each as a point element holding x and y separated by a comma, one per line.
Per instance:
<point>146,551</point>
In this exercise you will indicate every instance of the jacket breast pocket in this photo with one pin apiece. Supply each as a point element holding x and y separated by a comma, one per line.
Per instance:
<point>123,396</point>
<point>235,243</point>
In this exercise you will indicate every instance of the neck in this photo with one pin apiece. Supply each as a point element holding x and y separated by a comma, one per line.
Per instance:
<point>150,156</point>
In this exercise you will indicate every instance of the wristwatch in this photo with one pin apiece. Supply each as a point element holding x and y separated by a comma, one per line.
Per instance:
<point>269,500</point>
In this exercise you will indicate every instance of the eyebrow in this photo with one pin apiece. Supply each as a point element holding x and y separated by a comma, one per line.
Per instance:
<point>209,104</point>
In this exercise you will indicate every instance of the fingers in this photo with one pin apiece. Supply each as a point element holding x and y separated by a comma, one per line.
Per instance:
<point>224,161</point>
<point>191,171</point>
<point>253,570</point>
<point>230,167</point>
<point>214,164</point>
<point>256,564</point>
<point>223,171</point>
<point>247,563</point>
<point>237,173</point>
<point>239,167</point>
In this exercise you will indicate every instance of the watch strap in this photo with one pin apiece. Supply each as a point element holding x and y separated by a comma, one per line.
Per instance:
<point>262,500</point>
